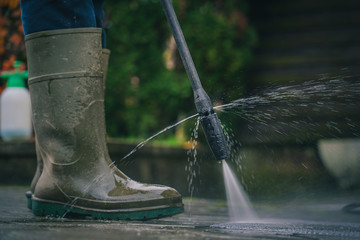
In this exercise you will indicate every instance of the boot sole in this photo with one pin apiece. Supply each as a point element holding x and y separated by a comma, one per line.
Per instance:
<point>53,209</point>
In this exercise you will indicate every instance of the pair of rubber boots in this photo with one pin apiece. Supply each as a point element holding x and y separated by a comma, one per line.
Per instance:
<point>75,175</point>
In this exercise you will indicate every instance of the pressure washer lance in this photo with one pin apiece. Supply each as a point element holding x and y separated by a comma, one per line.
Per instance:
<point>208,118</point>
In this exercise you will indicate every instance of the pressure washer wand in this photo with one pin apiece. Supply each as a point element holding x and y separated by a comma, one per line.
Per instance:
<point>208,118</point>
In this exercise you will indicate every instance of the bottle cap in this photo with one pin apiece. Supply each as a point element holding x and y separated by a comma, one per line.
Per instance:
<point>15,81</point>
<point>16,76</point>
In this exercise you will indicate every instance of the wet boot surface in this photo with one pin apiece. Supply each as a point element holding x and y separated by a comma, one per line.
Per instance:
<point>78,178</point>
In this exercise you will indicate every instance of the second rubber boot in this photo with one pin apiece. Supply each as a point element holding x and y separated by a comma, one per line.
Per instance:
<point>78,178</point>
<point>39,168</point>
<point>39,164</point>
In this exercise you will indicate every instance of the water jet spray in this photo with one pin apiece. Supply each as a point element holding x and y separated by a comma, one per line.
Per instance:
<point>208,118</point>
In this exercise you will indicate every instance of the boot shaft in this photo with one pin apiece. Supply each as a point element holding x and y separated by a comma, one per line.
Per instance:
<point>65,79</point>
<point>39,168</point>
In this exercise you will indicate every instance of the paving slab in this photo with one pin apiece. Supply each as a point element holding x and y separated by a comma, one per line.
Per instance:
<point>299,218</point>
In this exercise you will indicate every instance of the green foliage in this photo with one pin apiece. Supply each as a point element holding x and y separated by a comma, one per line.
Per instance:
<point>220,41</point>
<point>12,47</point>
<point>143,96</point>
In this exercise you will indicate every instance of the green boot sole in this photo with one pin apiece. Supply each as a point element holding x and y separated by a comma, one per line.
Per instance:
<point>52,209</point>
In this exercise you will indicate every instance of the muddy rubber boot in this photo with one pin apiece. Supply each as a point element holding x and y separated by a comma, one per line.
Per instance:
<point>39,164</point>
<point>78,178</point>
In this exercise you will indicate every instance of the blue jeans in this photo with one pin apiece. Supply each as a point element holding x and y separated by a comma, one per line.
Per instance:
<point>42,15</point>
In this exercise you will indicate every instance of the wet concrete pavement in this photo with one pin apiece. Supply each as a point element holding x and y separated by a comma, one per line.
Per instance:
<point>297,218</point>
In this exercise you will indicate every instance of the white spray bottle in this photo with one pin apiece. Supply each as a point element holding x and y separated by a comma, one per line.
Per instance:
<point>15,107</point>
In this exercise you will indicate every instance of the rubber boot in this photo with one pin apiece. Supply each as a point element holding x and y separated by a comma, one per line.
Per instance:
<point>78,178</point>
<point>39,163</point>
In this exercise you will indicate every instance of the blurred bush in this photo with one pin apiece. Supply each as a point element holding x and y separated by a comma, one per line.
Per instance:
<point>12,45</point>
<point>147,86</point>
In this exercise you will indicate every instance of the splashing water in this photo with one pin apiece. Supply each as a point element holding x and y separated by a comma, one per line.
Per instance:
<point>325,108</point>
<point>140,145</point>
<point>193,164</point>
<point>295,100</point>
<point>239,206</point>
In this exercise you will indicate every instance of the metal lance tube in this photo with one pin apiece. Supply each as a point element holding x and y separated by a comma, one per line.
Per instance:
<point>208,118</point>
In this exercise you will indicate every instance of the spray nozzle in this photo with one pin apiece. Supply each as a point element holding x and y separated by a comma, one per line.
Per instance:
<point>211,125</point>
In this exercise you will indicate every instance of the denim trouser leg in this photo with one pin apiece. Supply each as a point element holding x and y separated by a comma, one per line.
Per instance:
<point>42,15</point>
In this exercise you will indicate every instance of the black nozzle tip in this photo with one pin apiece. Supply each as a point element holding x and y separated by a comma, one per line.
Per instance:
<point>214,134</point>
<point>211,125</point>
